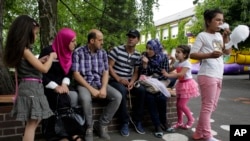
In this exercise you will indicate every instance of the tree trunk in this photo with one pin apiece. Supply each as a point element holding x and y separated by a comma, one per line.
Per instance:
<point>6,82</point>
<point>48,21</point>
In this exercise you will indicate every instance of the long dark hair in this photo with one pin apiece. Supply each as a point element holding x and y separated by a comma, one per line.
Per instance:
<point>20,36</point>
<point>209,14</point>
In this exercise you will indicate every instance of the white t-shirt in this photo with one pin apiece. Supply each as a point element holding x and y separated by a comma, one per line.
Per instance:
<point>205,43</point>
<point>185,64</point>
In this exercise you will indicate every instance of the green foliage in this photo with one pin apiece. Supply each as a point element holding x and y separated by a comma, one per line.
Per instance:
<point>113,17</point>
<point>170,44</point>
<point>141,47</point>
<point>182,38</point>
<point>235,12</point>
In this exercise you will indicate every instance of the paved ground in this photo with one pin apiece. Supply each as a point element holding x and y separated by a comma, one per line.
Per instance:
<point>233,108</point>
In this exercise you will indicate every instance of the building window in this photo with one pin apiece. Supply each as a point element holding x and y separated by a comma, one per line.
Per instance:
<point>174,31</point>
<point>165,34</point>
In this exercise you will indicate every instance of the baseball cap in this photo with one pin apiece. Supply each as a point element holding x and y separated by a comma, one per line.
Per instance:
<point>133,32</point>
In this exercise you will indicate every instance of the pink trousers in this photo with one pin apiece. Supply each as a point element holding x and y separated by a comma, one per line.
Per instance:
<point>210,89</point>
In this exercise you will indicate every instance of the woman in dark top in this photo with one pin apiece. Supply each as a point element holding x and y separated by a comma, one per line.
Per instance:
<point>153,62</point>
<point>57,82</point>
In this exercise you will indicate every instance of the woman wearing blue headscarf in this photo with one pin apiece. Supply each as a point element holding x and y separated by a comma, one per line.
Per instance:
<point>153,61</point>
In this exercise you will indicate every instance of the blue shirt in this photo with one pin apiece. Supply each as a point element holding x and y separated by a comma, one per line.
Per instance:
<point>90,66</point>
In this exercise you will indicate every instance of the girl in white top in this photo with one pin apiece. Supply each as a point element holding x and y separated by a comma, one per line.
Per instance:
<point>209,48</point>
<point>186,86</point>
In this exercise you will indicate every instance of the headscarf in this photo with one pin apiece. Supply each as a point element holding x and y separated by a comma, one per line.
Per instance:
<point>61,46</point>
<point>158,49</point>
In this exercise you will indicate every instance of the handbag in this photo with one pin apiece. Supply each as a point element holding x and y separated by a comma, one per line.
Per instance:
<point>66,122</point>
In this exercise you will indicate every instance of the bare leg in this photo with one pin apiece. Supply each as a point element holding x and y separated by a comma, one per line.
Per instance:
<point>30,128</point>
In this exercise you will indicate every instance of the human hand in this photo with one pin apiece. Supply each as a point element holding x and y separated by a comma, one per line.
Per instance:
<point>144,59</point>
<point>94,92</point>
<point>61,90</point>
<point>103,93</point>
<point>53,55</point>
<point>130,85</point>
<point>44,59</point>
<point>164,72</point>
<point>65,88</point>
<point>215,54</point>
<point>123,81</point>
<point>226,32</point>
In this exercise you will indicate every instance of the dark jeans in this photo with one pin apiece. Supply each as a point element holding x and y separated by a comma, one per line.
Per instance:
<point>172,82</point>
<point>157,106</point>
<point>138,102</point>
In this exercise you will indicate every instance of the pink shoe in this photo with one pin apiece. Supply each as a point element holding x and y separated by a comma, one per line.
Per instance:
<point>177,125</point>
<point>185,126</point>
<point>196,136</point>
<point>188,125</point>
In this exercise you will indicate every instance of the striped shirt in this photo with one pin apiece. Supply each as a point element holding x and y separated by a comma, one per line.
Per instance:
<point>90,66</point>
<point>124,62</point>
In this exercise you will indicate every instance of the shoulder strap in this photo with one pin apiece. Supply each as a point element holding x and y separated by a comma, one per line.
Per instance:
<point>16,89</point>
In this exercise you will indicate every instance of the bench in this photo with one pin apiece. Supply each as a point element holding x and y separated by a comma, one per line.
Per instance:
<point>10,129</point>
<point>6,98</point>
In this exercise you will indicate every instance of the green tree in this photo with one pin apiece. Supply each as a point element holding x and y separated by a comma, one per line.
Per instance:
<point>113,17</point>
<point>6,83</point>
<point>235,12</point>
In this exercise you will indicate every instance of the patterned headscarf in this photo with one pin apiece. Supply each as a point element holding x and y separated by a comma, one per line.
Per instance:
<point>61,46</point>
<point>158,49</point>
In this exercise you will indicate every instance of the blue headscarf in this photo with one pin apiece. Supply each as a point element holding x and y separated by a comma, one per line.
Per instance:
<point>158,49</point>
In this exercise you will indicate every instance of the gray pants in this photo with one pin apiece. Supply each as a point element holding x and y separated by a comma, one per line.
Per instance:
<point>113,96</point>
<point>73,98</point>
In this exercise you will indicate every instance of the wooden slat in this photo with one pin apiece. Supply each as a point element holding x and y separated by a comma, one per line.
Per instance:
<point>6,98</point>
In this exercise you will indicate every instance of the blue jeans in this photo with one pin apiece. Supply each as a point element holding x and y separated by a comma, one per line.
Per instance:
<point>138,103</point>
<point>157,106</point>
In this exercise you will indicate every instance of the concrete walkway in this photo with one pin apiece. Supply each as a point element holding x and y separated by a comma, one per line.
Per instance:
<point>233,108</point>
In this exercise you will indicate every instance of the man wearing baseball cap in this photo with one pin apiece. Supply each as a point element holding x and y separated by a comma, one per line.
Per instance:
<point>134,33</point>
<point>124,64</point>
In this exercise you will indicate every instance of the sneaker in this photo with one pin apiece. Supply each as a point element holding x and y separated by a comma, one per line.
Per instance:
<point>124,130</point>
<point>89,134</point>
<point>165,127</point>
<point>101,130</point>
<point>138,127</point>
<point>158,132</point>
